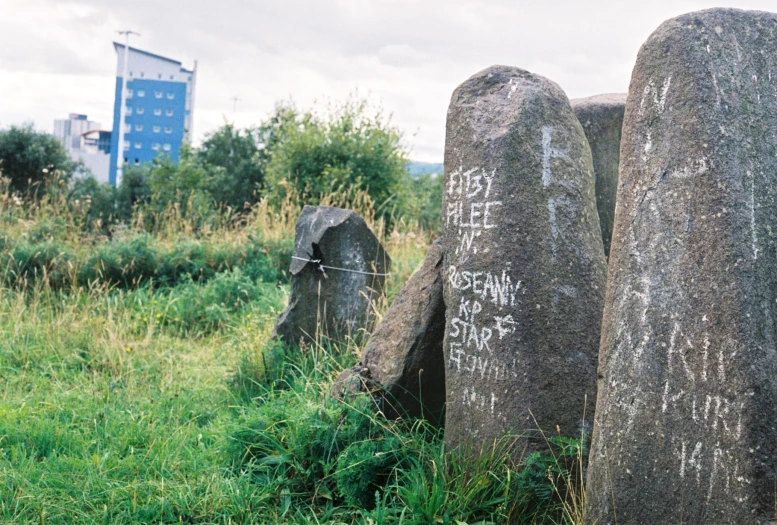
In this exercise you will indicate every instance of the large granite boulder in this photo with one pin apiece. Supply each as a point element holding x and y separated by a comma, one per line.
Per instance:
<point>602,119</point>
<point>524,262</point>
<point>686,420</point>
<point>402,363</point>
<point>338,269</point>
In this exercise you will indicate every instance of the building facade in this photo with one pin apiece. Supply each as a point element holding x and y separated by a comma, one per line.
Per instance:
<point>158,108</point>
<point>69,130</point>
<point>86,142</point>
<point>95,153</point>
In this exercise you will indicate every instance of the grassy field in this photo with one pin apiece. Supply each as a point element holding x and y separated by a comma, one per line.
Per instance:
<point>138,384</point>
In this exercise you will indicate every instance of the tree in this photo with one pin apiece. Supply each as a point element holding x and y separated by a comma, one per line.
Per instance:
<point>97,199</point>
<point>348,149</point>
<point>27,157</point>
<point>422,201</point>
<point>134,190</point>
<point>234,165</point>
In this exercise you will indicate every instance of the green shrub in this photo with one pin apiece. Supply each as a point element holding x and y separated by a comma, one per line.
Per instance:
<point>30,262</point>
<point>268,261</point>
<point>351,147</point>
<point>125,263</point>
<point>194,309</point>
<point>363,469</point>
<point>543,482</point>
<point>186,260</point>
<point>98,200</point>
<point>28,157</point>
<point>296,444</point>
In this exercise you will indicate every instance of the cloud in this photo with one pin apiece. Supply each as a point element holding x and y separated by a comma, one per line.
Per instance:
<point>409,56</point>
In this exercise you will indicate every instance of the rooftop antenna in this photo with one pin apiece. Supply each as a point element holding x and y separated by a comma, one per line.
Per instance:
<point>122,106</point>
<point>234,100</point>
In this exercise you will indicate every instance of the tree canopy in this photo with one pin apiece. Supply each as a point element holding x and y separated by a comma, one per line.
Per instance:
<point>28,156</point>
<point>348,149</point>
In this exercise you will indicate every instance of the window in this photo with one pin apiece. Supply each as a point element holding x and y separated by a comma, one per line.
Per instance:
<point>157,111</point>
<point>138,127</point>
<point>171,77</point>
<point>128,111</point>
<point>138,145</point>
<point>157,129</point>
<point>169,112</point>
<point>155,146</point>
<point>137,161</point>
<point>139,110</point>
<point>126,147</point>
<point>167,147</point>
<point>168,129</point>
<point>141,93</point>
<point>129,93</point>
<point>127,128</point>
<point>170,95</point>
<point>158,94</point>
<point>142,74</point>
<point>159,75</point>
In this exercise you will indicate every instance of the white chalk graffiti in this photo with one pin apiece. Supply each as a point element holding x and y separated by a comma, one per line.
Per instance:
<point>548,153</point>
<point>472,398</point>
<point>470,208</point>
<point>485,367</point>
<point>499,290</point>
<point>716,417</point>
<point>477,321</point>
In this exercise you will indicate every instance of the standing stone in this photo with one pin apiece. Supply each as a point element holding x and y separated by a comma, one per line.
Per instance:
<point>602,119</point>
<point>686,418</point>
<point>524,263</point>
<point>337,270</point>
<point>402,364</point>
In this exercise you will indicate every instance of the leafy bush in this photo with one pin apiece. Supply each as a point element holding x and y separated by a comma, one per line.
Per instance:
<point>268,261</point>
<point>137,260</point>
<point>28,157</point>
<point>235,164</point>
<point>133,191</point>
<point>98,200</point>
<point>297,444</point>
<point>422,201</point>
<point>186,260</point>
<point>349,148</point>
<point>546,477</point>
<point>125,262</point>
<point>195,310</point>
<point>29,262</point>
<point>363,469</point>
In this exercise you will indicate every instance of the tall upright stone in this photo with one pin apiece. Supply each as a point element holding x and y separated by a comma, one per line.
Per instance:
<point>686,418</point>
<point>524,264</point>
<point>402,364</point>
<point>602,119</point>
<point>337,270</point>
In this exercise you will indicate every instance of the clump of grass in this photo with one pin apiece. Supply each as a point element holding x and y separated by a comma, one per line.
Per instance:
<point>139,384</point>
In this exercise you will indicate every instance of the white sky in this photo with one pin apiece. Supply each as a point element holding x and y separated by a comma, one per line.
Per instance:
<point>56,57</point>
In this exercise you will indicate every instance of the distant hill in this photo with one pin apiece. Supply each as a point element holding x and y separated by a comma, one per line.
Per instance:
<point>418,168</point>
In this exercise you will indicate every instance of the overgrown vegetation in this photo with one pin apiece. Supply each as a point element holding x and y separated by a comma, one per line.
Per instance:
<point>138,381</point>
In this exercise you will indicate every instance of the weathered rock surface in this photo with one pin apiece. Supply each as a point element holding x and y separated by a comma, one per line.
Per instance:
<point>333,294</point>
<point>524,267</point>
<point>402,363</point>
<point>686,420</point>
<point>602,119</point>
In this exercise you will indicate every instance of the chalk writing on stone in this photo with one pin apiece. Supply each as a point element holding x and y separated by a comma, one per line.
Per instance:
<point>524,263</point>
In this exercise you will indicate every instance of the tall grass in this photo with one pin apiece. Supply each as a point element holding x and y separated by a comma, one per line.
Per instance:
<point>139,384</point>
